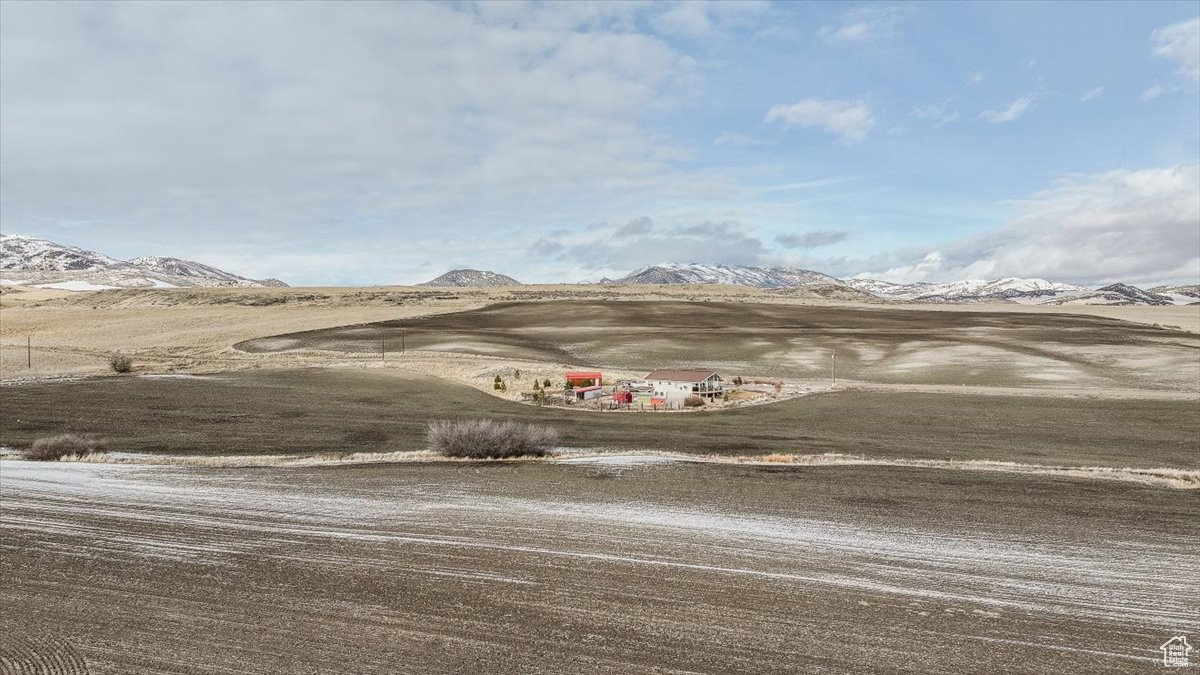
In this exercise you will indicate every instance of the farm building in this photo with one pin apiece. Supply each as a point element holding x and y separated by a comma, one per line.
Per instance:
<point>675,384</point>
<point>585,378</point>
<point>588,393</point>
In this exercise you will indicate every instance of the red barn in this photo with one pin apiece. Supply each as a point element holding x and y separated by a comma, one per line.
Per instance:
<point>585,378</point>
<point>622,397</point>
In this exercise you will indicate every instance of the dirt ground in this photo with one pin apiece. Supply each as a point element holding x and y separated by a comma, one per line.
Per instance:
<point>321,410</point>
<point>622,563</point>
<point>872,344</point>
<point>591,567</point>
<point>72,334</point>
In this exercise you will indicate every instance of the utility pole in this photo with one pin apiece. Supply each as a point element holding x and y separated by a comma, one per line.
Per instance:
<point>29,352</point>
<point>383,351</point>
<point>833,368</point>
<point>401,342</point>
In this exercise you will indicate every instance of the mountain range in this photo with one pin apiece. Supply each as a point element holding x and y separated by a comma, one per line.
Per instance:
<point>469,277</point>
<point>736,275</point>
<point>28,261</point>
<point>1008,289</point>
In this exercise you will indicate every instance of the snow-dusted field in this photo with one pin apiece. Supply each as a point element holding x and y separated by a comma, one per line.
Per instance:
<point>538,567</point>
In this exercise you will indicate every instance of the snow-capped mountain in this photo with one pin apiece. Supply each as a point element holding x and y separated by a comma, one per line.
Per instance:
<point>180,267</point>
<point>27,253</point>
<point>1181,295</point>
<point>37,262</point>
<point>469,277</point>
<point>729,275</point>
<point>970,290</point>
<point>1115,294</point>
<point>1025,291</point>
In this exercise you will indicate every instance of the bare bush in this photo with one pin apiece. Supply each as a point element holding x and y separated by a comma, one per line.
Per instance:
<point>120,363</point>
<point>54,448</point>
<point>490,439</point>
<point>693,401</point>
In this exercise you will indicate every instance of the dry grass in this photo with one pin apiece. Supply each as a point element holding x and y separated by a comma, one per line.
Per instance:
<point>1178,479</point>
<point>490,439</point>
<point>742,395</point>
<point>120,363</point>
<point>64,446</point>
<point>1183,479</point>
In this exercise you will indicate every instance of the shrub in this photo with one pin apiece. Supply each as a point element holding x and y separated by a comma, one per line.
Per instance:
<point>490,439</point>
<point>546,384</point>
<point>693,401</point>
<point>120,363</point>
<point>64,445</point>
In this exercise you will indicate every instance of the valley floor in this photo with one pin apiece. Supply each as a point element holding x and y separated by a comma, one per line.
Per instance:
<point>630,563</point>
<point>543,567</point>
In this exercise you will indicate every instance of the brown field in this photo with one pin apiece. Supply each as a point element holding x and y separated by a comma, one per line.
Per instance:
<point>1024,506</point>
<point>339,410</point>
<point>541,567</point>
<point>873,344</point>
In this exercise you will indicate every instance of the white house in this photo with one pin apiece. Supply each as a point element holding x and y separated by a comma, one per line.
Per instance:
<point>678,384</point>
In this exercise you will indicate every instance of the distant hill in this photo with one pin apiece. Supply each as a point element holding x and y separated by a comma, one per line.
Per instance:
<point>28,261</point>
<point>469,277</point>
<point>1025,290</point>
<point>729,275</point>
<point>1182,295</point>
<point>1115,294</point>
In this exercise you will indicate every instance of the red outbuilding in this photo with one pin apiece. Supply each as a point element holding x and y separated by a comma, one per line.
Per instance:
<point>585,378</point>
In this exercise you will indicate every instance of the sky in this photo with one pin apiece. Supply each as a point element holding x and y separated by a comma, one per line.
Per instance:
<point>373,143</point>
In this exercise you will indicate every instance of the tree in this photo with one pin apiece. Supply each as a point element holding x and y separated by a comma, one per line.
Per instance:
<point>517,374</point>
<point>546,384</point>
<point>497,383</point>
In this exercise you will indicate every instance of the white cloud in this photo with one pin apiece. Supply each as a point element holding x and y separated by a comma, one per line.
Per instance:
<point>975,78</point>
<point>701,18</point>
<point>738,139</point>
<point>1091,94</point>
<point>1131,226</point>
<point>851,120</point>
<point>604,249</point>
<point>1180,42</point>
<point>193,126</point>
<point>939,113</point>
<point>863,25</point>
<point>1010,113</point>
<point>1156,90</point>
<point>812,239</point>
<point>1152,92</point>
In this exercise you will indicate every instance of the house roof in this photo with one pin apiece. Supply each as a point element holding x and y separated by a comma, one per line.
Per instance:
<point>583,374</point>
<point>681,375</point>
<point>592,388</point>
